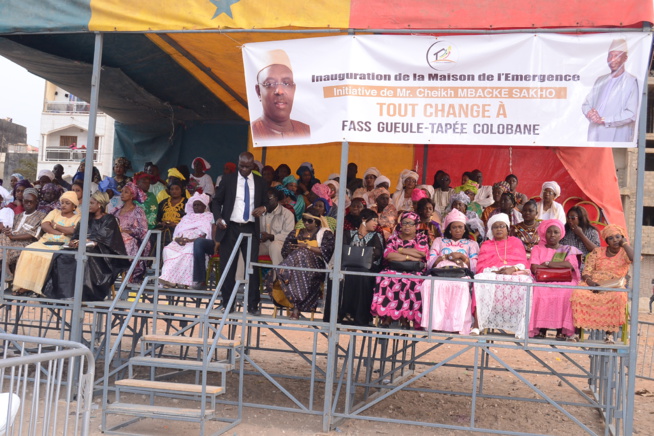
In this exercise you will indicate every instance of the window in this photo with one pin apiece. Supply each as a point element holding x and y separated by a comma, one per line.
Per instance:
<point>67,141</point>
<point>648,216</point>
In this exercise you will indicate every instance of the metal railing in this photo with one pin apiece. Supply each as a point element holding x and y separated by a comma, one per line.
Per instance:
<point>47,386</point>
<point>645,361</point>
<point>68,107</point>
<point>64,154</point>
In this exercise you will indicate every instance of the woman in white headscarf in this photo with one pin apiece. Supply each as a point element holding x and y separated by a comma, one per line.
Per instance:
<point>407,182</point>
<point>548,208</point>
<point>369,178</point>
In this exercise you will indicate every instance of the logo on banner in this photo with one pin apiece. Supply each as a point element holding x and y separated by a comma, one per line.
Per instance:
<point>442,55</point>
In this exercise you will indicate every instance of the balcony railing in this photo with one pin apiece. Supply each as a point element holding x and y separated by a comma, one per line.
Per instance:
<point>71,107</point>
<point>62,154</point>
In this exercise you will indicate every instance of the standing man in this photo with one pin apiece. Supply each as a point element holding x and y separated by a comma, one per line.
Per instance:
<point>612,105</point>
<point>237,206</point>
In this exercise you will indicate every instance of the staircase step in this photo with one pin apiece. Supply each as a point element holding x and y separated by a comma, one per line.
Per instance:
<point>185,340</point>
<point>162,412</point>
<point>161,362</point>
<point>169,387</point>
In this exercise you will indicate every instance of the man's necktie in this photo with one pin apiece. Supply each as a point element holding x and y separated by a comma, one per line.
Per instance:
<point>246,195</point>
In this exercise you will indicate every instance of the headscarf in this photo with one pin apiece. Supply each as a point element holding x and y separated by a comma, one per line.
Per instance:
<point>459,196</point>
<point>123,162</point>
<point>51,187</point>
<point>289,179</point>
<point>418,194</point>
<point>137,194</point>
<point>544,225</point>
<point>141,175</point>
<point>504,186</point>
<point>372,171</point>
<point>405,174</point>
<point>322,191</point>
<point>18,176</point>
<point>455,215</point>
<point>613,229</point>
<point>553,186</point>
<point>31,191</point>
<point>325,202</point>
<point>109,184</point>
<point>375,193</point>
<point>287,192</point>
<point>470,185</point>
<point>501,217</point>
<point>408,214</point>
<point>324,224</point>
<point>336,186</point>
<point>382,179</point>
<point>205,165</point>
<point>47,173</point>
<point>24,183</point>
<point>101,197</point>
<point>231,166</point>
<point>365,205</point>
<point>203,198</point>
<point>307,165</point>
<point>429,189</point>
<point>174,172</point>
<point>333,176</point>
<point>70,196</point>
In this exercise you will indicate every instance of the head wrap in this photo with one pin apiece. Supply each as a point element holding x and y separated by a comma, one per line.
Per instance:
<point>325,202</point>
<point>47,173</point>
<point>323,221</point>
<point>408,214</point>
<point>504,186</point>
<point>289,179</point>
<point>309,165</point>
<point>101,197</point>
<point>24,183</point>
<point>501,217</point>
<point>174,172</point>
<point>429,189</point>
<point>334,176</point>
<point>553,186</point>
<point>18,176</point>
<point>544,225</point>
<point>141,175</point>
<point>382,179</point>
<point>322,191</point>
<point>70,196</point>
<point>372,171</point>
<point>137,194</point>
<point>203,198</point>
<point>365,205</point>
<point>31,191</point>
<point>123,162</point>
<point>375,193</point>
<point>459,196</point>
<point>418,194</point>
<point>455,215</point>
<point>613,229</point>
<point>406,174</point>
<point>205,165</point>
<point>335,184</point>
<point>51,187</point>
<point>287,192</point>
<point>108,184</point>
<point>259,165</point>
<point>230,166</point>
<point>619,44</point>
<point>470,185</point>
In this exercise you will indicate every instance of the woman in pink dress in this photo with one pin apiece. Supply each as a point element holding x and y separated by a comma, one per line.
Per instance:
<point>551,307</point>
<point>451,307</point>
<point>133,225</point>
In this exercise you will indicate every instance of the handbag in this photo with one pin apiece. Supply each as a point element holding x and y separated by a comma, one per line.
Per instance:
<point>453,273</point>
<point>406,265</point>
<point>357,257</point>
<point>553,275</point>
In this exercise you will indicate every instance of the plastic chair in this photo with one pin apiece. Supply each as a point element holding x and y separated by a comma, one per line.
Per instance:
<point>565,202</point>
<point>590,208</point>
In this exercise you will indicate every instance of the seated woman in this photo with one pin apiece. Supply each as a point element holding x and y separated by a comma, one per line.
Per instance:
<point>356,291</point>
<point>133,225</point>
<point>401,199</point>
<point>25,230</point>
<point>450,309</point>
<point>502,257</point>
<point>521,199</point>
<point>171,210</point>
<point>33,266</point>
<point>322,191</point>
<point>471,188</point>
<point>474,224</point>
<point>321,207</point>
<point>178,255</point>
<point>353,214</point>
<point>427,224</point>
<point>398,298</point>
<point>334,189</point>
<point>527,230</point>
<point>508,207</point>
<point>307,179</point>
<point>297,201</point>
<point>150,206</point>
<point>605,267</point>
<point>548,208</point>
<point>499,188</point>
<point>580,233</point>
<point>100,272</point>
<point>385,209</point>
<point>550,307</point>
<point>50,194</point>
<point>17,204</point>
<point>121,166</point>
<point>310,247</point>
<point>369,178</point>
<point>78,188</point>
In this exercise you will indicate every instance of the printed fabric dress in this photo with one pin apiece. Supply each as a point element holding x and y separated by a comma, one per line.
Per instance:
<point>23,224</point>
<point>400,297</point>
<point>551,307</point>
<point>451,309</point>
<point>136,223</point>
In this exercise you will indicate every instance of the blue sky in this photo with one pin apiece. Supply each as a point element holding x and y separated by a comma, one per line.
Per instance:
<point>21,98</point>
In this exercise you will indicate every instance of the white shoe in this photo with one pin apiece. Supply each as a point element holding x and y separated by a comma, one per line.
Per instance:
<point>474,332</point>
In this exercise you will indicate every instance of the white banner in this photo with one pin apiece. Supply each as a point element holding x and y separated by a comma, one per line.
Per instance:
<point>513,89</point>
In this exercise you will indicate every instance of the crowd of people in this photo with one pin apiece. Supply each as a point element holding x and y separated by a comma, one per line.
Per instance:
<point>407,231</point>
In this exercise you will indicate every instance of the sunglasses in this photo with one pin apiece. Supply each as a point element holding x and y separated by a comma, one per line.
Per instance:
<point>308,220</point>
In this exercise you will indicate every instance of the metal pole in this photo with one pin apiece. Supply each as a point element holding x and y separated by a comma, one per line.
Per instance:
<point>638,244</point>
<point>78,316</point>
<point>336,286</point>
<point>425,158</point>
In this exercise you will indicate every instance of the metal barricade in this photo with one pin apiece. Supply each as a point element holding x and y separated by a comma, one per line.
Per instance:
<point>45,386</point>
<point>645,350</point>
